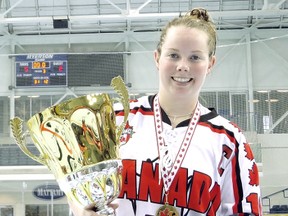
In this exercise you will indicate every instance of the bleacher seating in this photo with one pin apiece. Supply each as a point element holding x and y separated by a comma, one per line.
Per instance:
<point>279,209</point>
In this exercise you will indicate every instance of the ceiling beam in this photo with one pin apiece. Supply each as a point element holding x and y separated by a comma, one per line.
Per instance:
<point>23,40</point>
<point>11,8</point>
<point>137,16</point>
<point>272,4</point>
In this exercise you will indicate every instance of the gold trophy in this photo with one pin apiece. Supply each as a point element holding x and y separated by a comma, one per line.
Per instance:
<point>78,140</point>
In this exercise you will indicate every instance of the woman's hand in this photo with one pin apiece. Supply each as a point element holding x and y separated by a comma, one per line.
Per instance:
<point>78,211</point>
<point>87,211</point>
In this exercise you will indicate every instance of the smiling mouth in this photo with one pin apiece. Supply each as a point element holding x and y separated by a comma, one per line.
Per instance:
<point>182,80</point>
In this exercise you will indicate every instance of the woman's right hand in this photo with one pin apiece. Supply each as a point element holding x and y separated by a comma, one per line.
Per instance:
<point>87,211</point>
<point>78,211</point>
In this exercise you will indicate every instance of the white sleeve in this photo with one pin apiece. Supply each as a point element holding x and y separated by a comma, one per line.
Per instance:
<point>240,183</point>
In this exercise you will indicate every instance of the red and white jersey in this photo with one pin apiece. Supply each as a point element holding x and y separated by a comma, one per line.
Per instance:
<point>218,175</point>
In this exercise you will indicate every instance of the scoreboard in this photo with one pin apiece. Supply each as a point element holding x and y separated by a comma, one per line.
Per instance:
<point>41,70</point>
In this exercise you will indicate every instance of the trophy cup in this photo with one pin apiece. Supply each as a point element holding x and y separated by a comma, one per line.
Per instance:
<point>78,140</point>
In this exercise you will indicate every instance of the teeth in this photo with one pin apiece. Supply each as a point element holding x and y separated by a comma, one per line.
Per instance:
<point>180,79</point>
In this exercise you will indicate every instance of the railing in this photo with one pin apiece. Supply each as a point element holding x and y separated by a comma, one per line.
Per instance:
<point>276,209</point>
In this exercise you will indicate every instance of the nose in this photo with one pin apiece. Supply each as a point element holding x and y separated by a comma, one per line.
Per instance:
<point>183,66</point>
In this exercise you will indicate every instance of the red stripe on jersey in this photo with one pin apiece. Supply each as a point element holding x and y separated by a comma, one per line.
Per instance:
<point>237,184</point>
<point>142,110</point>
<point>219,130</point>
<point>236,179</point>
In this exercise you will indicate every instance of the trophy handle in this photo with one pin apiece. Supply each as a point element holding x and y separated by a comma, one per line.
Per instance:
<point>119,86</point>
<point>19,136</point>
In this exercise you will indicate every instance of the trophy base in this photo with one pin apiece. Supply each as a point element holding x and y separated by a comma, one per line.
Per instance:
<point>96,185</point>
<point>106,211</point>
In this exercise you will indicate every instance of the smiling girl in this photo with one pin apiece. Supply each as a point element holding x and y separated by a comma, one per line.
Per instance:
<point>179,157</point>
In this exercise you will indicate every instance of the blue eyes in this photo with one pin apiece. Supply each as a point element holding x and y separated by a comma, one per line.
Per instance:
<point>195,58</point>
<point>192,58</point>
<point>174,56</point>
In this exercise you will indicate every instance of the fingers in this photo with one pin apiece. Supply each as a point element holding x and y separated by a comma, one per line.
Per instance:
<point>89,210</point>
<point>79,211</point>
<point>113,205</point>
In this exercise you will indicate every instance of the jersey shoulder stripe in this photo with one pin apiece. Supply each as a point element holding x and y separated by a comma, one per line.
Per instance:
<point>142,106</point>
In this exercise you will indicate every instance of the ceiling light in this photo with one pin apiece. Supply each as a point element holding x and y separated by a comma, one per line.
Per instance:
<point>272,100</point>
<point>263,91</point>
<point>15,96</point>
<point>254,101</point>
<point>282,90</point>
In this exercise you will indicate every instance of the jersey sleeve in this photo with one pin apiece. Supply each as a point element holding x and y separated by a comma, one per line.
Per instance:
<point>240,184</point>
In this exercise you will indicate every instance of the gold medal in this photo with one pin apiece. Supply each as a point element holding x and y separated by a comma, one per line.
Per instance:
<point>167,210</point>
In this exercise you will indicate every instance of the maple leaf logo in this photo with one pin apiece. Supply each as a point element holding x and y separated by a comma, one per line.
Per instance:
<point>167,212</point>
<point>249,152</point>
<point>126,134</point>
<point>253,175</point>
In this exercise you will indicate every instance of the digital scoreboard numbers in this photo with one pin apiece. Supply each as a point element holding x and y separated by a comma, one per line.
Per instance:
<point>41,70</point>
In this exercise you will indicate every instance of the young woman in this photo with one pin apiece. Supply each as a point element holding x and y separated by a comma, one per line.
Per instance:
<point>179,157</point>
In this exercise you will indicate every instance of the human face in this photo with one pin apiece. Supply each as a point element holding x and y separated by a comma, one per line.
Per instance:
<point>184,62</point>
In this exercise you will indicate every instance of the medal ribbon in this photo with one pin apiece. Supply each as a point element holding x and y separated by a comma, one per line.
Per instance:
<point>166,171</point>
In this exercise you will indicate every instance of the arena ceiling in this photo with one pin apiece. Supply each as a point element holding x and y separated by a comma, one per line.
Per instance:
<point>30,17</point>
<point>22,19</point>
